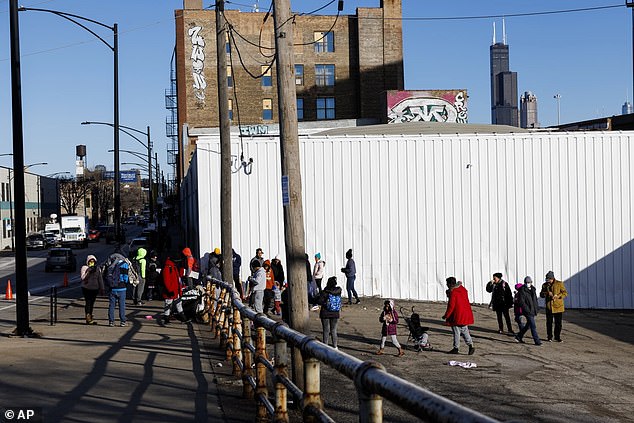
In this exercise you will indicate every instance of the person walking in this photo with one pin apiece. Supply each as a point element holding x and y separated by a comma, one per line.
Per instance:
<point>389,319</point>
<point>501,301</point>
<point>140,267</point>
<point>517,308</point>
<point>258,284</point>
<point>311,286</point>
<point>351,274</point>
<point>527,301</point>
<point>91,286</point>
<point>318,270</point>
<point>171,290</point>
<point>554,292</point>
<point>188,267</point>
<point>151,274</point>
<point>258,260</point>
<point>236,261</point>
<point>330,301</point>
<point>118,281</point>
<point>269,295</point>
<point>458,315</point>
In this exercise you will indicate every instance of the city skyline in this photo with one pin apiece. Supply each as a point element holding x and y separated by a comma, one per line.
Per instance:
<point>585,56</point>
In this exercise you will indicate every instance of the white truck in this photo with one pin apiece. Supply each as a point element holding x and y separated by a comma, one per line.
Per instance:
<point>75,231</point>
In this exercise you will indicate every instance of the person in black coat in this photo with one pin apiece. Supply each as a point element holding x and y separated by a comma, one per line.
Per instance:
<point>501,300</point>
<point>330,301</point>
<point>527,299</point>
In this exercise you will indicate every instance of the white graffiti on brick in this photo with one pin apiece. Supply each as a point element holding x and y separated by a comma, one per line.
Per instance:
<point>198,62</point>
<point>429,109</point>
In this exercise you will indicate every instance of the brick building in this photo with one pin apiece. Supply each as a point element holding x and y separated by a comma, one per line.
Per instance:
<point>340,72</point>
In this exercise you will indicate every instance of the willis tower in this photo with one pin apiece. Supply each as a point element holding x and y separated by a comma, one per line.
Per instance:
<point>503,84</point>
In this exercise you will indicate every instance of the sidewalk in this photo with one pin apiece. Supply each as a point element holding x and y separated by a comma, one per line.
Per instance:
<point>148,373</point>
<point>140,373</point>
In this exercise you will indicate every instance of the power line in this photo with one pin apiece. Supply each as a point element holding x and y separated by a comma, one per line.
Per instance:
<point>508,15</point>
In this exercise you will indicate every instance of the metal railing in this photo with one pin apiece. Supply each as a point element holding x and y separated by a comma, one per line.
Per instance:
<point>230,322</point>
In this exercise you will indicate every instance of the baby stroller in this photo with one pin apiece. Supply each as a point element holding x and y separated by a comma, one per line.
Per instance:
<point>417,334</point>
<point>194,303</point>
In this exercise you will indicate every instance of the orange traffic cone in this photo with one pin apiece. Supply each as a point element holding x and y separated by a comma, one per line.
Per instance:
<point>9,293</point>
<point>65,279</point>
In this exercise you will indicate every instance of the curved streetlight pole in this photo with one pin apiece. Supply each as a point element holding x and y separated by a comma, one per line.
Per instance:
<point>148,146</point>
<point>115,50</point>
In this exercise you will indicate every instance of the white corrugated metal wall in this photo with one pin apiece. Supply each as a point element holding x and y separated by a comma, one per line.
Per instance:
<point>416,209</point>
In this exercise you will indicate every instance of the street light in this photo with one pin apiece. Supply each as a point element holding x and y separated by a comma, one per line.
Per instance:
<point>147,146</point>
<point>115,50</point>
<point>558,98</point>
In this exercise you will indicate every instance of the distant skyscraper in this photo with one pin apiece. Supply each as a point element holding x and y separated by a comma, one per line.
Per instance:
<point>503,84</point>
<point>627,108</point>
<point>528,111</point>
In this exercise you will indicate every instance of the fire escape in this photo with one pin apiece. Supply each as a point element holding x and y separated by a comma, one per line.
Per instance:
<point>171,125</point>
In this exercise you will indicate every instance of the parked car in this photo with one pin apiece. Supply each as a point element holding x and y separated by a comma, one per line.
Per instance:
<point>94,235</point>
<point>35,242</point>
<point>61,259</point>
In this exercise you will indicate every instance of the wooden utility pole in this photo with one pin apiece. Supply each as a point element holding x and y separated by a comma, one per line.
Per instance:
<point>225,144</point>
<point>291,178</point>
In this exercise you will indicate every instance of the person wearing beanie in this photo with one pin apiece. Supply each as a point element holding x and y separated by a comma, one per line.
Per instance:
<point>527,297</point>
<point>554,292</point>
<point>459,314</point>
<point>318,270</point>
<point>501,301</point>
<point>351,274</point>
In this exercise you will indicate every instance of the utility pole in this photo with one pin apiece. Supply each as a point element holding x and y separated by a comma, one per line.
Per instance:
<point>291,178</point>
<point>225,144</point>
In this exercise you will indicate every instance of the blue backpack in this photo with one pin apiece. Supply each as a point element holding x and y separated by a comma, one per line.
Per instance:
<point>333,303</point>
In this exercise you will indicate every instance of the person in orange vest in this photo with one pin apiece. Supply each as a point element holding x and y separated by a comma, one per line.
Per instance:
<point>269,295</point>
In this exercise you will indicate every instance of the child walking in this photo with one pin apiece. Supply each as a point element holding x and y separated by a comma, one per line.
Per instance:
<point>277,298</point>
<point>389,318</point>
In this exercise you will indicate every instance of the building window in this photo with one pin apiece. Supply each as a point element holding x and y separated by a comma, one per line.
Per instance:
<point>267,109</point>
<point>227,43</point>
<point>325,108</point>
<point>324,75</point>
<point>229,77</point>
<point>267,80</point>
<point>299,74</point>
<point>324,42</point>
<point>230,107</point>
<point>300,109</point>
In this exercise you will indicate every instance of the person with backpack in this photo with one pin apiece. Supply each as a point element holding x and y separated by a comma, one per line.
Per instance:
<point>91,285</point>
<point>118,269</point>
<point>330,301</point>
<point>140,265</point>
<point>171,290</point>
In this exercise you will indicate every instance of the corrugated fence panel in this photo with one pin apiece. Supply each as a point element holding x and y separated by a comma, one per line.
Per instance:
<point>417,209</point>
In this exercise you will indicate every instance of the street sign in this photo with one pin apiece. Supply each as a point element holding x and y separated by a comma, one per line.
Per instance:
<point>286,198</point>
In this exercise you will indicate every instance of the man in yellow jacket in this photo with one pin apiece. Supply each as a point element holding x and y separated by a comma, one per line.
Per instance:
<point>554,292</point>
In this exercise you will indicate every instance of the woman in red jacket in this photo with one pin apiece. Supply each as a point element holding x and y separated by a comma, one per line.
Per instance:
<point>459,314</point>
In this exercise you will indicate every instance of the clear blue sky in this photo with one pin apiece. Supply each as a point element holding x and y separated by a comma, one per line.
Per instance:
<point>67,73</point>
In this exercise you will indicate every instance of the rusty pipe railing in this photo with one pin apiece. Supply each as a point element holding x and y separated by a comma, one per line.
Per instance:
<point>371,380</point>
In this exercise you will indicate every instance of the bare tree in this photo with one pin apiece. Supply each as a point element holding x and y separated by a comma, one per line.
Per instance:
<point>72,192</point>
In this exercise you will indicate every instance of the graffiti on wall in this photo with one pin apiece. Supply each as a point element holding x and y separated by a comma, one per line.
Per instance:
<point>198,63</point>
<point>427,106</point>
